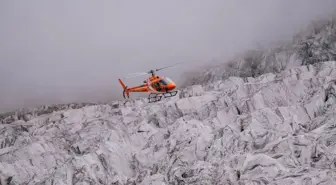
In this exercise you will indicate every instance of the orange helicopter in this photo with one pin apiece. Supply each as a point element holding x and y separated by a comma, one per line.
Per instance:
<point>157,86</point>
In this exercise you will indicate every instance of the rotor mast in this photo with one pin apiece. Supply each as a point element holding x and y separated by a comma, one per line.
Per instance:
<point>152,72</point>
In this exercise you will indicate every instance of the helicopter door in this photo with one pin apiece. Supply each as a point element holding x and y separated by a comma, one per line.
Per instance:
<point>156,86</point>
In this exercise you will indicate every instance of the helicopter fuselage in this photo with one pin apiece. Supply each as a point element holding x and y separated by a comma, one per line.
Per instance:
<point>155,84</point>
<point>160,84</point>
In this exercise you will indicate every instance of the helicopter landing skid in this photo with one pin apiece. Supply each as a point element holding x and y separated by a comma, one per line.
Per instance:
<point>155,97</point>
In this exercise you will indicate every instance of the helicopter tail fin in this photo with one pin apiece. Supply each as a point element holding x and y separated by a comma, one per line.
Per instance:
<point>122,84</point>
<point>124,88</point>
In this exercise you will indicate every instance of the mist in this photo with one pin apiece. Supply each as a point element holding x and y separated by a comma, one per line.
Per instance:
<point>68,51</point>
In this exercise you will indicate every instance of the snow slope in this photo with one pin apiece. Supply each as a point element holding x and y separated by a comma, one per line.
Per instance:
<point>272,129</point>
<point>316,43</point>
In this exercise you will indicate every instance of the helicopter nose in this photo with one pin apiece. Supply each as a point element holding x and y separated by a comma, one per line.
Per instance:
<point>171,86</point>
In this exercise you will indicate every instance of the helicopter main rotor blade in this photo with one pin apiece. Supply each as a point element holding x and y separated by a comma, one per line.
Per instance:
<point>167,66</point>
<point>133,75</point>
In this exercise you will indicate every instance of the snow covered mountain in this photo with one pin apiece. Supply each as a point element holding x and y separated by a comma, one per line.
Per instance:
<point>316,43</point>
<point>272,129</point>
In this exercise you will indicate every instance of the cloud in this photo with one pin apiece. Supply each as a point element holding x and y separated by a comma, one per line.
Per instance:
<point>64,51</point>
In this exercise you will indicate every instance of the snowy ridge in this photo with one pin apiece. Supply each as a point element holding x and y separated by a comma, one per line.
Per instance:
<point>272,129</point>
<point>28,114</point>
<point>316,43</point>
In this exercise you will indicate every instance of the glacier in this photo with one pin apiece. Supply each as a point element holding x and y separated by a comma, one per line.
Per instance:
<point>277,128</point>
<point>315,43</point>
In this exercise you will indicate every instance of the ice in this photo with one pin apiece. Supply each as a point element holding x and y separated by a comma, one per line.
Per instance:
<point>273,129</point>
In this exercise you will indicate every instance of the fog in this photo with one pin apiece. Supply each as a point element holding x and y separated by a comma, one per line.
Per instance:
<point>66,51</point>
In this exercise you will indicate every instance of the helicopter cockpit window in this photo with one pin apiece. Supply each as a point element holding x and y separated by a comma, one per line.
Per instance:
<point>166,81</point>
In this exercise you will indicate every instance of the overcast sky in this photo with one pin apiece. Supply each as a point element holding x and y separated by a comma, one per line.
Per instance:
<point>63,51</point>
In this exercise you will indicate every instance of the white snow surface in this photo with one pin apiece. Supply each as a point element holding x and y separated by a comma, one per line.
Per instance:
<point>273,129</point>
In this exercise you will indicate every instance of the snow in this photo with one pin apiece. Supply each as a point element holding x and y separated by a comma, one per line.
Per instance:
<point>316,43</point>
<point>272,129</point>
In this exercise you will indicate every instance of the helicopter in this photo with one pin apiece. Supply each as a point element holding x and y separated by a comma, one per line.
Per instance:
<point>157,86</point>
